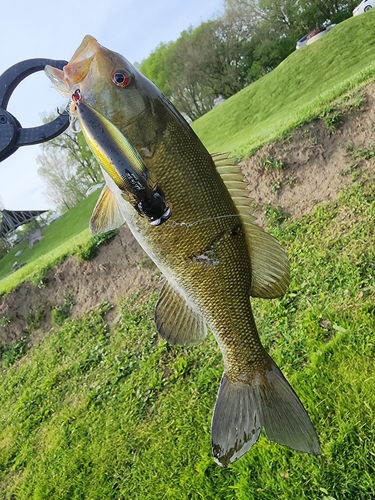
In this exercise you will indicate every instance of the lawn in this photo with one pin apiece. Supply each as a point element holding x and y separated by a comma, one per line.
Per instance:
<point>93,413</point>
<point>60,238</point>
<point>295,92</point>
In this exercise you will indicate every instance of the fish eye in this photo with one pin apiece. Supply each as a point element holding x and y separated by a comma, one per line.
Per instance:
<point>121,78</point>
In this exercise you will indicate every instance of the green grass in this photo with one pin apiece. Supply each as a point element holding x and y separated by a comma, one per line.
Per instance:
<point>98,414</point>
<point>60,238</point>
<point>295,92</point>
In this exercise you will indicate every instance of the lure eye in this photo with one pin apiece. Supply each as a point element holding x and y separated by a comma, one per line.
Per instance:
<point>120,78</point>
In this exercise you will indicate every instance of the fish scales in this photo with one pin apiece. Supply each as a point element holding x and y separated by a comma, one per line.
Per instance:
<point>212,255</point>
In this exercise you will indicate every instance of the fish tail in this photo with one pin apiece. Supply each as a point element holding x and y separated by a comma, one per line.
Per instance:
<point>265,401</point>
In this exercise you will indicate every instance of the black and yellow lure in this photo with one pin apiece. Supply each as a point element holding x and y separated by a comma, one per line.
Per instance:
<point>121,165</point>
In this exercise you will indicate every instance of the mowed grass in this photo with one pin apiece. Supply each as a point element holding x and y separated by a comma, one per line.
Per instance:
<point>93,413</point>
<point>60,238</point>
<point>295,92</point>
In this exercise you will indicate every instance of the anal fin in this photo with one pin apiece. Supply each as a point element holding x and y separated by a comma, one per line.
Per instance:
<point>175,319</point>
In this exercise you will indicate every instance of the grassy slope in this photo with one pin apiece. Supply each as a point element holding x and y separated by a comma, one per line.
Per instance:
<point>295,91</point>
<point>59,238</point>
<point>92,414</point>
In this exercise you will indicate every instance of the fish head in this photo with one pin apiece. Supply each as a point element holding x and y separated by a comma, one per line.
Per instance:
<point>105,80</point>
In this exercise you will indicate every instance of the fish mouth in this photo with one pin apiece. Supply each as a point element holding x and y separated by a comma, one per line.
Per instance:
<point>79,66</point>
<point>77,70</point>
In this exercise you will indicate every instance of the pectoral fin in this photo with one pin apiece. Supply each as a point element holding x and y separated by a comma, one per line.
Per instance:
<point>107,213</point>
<point>176,321</point>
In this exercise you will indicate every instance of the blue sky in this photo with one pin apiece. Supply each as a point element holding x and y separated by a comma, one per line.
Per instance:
<point>54,30</point>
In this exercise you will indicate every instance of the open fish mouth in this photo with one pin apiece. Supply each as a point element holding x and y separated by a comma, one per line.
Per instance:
<point>78,70</point>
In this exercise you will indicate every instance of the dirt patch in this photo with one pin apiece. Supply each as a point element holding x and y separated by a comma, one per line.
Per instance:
<point>313,164</point>
<point>309,167</point>
<point>120,268</point>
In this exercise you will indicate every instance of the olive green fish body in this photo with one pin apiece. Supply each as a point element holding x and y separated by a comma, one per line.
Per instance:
<point>210,251</point>
<point>202,247</point>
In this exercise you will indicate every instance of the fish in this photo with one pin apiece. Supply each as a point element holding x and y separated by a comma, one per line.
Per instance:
<point>212,254</point>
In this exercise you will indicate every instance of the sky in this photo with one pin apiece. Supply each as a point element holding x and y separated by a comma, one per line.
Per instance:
<point>37,28</point>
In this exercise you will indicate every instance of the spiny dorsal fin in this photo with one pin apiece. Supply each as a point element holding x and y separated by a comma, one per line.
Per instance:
<point>176,321</point>
<point>269,262</point>
<point>108,212</point>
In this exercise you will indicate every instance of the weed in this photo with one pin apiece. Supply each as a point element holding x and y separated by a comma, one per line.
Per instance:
<point>60,313</point>
<point>332,118</point>
<point>90,249</point>
<point>291,181</point>
<point>11,353</point>
<point>356,152</point>
<point>275,187</point>
<point>270,162</point>
<point>4,321</point>
<point>274,215</point>
<point>34,319</point>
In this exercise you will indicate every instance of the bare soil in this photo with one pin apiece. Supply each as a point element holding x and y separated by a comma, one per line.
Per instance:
<point>308,168</point>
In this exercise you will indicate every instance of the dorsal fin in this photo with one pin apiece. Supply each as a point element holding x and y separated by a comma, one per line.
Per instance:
<point>269,262</point>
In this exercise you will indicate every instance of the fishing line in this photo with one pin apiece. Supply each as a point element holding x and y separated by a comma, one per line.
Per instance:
<point>191,224</point>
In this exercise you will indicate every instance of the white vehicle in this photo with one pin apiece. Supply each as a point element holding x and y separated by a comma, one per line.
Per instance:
<point>364,6</point>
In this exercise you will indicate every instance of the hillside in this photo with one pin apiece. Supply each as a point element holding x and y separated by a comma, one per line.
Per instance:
<point>295,92</point>
<point>95,406</point>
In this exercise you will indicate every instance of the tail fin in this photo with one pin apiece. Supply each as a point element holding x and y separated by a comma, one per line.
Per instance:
<point>242,410</point>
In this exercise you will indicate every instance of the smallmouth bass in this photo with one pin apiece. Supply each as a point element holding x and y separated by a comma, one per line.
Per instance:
<point>213,256</point>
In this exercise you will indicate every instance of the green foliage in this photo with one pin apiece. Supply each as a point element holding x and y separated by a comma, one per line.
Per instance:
<point>34,319</point>
<point>60,313</point>
<point>270,162</point>
<point>333,113</point>
<point>224,55</point>
<point>356,152</point>
<point>273,214</point>
<point>90,249</point>
<point>10,354</point>
<point>4,321</point>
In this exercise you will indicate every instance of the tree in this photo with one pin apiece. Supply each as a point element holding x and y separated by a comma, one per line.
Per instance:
<point>201,64</point>
<point>69,168</point>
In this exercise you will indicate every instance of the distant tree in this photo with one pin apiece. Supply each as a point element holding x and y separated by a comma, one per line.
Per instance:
<point>69,168</point>
<point>201,64</point>
<point>178,69</point>
<point>319,11</point>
